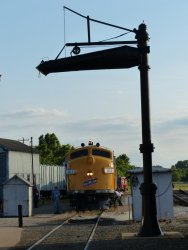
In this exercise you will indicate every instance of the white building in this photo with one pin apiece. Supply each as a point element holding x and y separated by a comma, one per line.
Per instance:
<point>164,195</point>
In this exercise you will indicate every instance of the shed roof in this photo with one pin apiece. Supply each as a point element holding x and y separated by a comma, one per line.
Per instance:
<point>155,169</point>
<point>12,145</point>
<point>19,178</point>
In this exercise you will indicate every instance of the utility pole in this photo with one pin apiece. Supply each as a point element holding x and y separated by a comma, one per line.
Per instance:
<point>32,167</point>
<point>23,140</point>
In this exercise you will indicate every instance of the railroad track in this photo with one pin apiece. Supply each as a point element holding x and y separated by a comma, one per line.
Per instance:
<point>180,197</point>
<point>79,229</point>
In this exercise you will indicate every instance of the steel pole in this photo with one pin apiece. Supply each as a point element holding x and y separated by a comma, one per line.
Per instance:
<point>20,216</point>
<point>32,166</point>
<point>150,226</point>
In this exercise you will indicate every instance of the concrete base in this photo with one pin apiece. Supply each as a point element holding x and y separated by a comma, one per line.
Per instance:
<point>167,235</point>
<point>9,236</point>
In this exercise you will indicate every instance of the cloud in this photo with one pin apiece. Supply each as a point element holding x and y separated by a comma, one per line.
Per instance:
<point>172,124</point>
<point>110,126</point>
<point>30,121</point>
<point>117,128</point>
<point>33,112</point>
<point>122,133</point>
<point>170,137</point>
<point>120,92</point>
<point>175,129</point>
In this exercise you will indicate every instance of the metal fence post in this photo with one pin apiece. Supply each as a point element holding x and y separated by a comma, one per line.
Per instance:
<point>20,217</point>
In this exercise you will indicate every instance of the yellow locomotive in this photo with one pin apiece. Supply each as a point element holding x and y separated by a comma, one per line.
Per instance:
<point>91,175</point>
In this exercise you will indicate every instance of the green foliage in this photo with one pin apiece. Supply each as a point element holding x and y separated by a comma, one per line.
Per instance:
<point>182,164</point>
<point>51,151</point>
<point>180,171</point>
<point>123,164</point>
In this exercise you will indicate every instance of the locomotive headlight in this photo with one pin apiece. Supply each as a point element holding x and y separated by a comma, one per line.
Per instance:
<point>89,173</point>
<point>108,170</point>
<point>111,164</point>
<point>70,171</point>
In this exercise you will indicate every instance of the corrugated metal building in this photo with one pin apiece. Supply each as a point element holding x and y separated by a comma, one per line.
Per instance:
<point>16,158</point>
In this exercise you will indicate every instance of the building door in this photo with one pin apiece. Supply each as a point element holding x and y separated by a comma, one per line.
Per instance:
<point>15,195</point>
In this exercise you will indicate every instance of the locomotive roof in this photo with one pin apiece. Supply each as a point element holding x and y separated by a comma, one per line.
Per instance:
<point>13,145</point>
<point>92,146</point>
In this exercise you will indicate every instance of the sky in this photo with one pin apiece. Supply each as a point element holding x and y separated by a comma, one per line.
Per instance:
<point>104,105</point>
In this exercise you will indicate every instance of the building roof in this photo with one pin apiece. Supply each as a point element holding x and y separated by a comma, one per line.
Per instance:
<point>155,169</point>
<point>12,145</point>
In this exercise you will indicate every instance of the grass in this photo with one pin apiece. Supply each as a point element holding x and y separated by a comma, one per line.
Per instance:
<point>180,185</point>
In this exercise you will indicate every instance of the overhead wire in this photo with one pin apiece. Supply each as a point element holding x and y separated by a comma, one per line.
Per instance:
<point>90,19</point>
<point>115,37</point>
<point>64,29</point>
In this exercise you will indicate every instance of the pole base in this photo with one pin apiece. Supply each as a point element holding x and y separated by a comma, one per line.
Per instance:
<point>150,226</point>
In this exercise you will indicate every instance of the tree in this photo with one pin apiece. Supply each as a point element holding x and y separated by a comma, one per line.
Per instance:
<point>182,164</point>
<point>51,151</point>
<point>123,164</point>
<point>176,174</point>
<point>180,171</point>
<point>62,153</point>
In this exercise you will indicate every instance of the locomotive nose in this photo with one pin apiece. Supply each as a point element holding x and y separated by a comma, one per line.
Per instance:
<point>90,160</point>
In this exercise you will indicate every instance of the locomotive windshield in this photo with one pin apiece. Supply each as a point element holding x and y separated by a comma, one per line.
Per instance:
<point>102,153</point>
<point>78,153</point>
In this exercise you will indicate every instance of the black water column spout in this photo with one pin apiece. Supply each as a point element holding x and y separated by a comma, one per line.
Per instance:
<point>150,226</point>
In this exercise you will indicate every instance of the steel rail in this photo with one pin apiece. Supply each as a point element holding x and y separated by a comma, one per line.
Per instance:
<point>92,233</point>
<point>59,226</point>
<point>49,233</point>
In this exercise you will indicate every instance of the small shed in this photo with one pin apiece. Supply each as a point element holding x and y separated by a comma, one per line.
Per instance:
<point>17,191</point>
<point>164,195</point>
